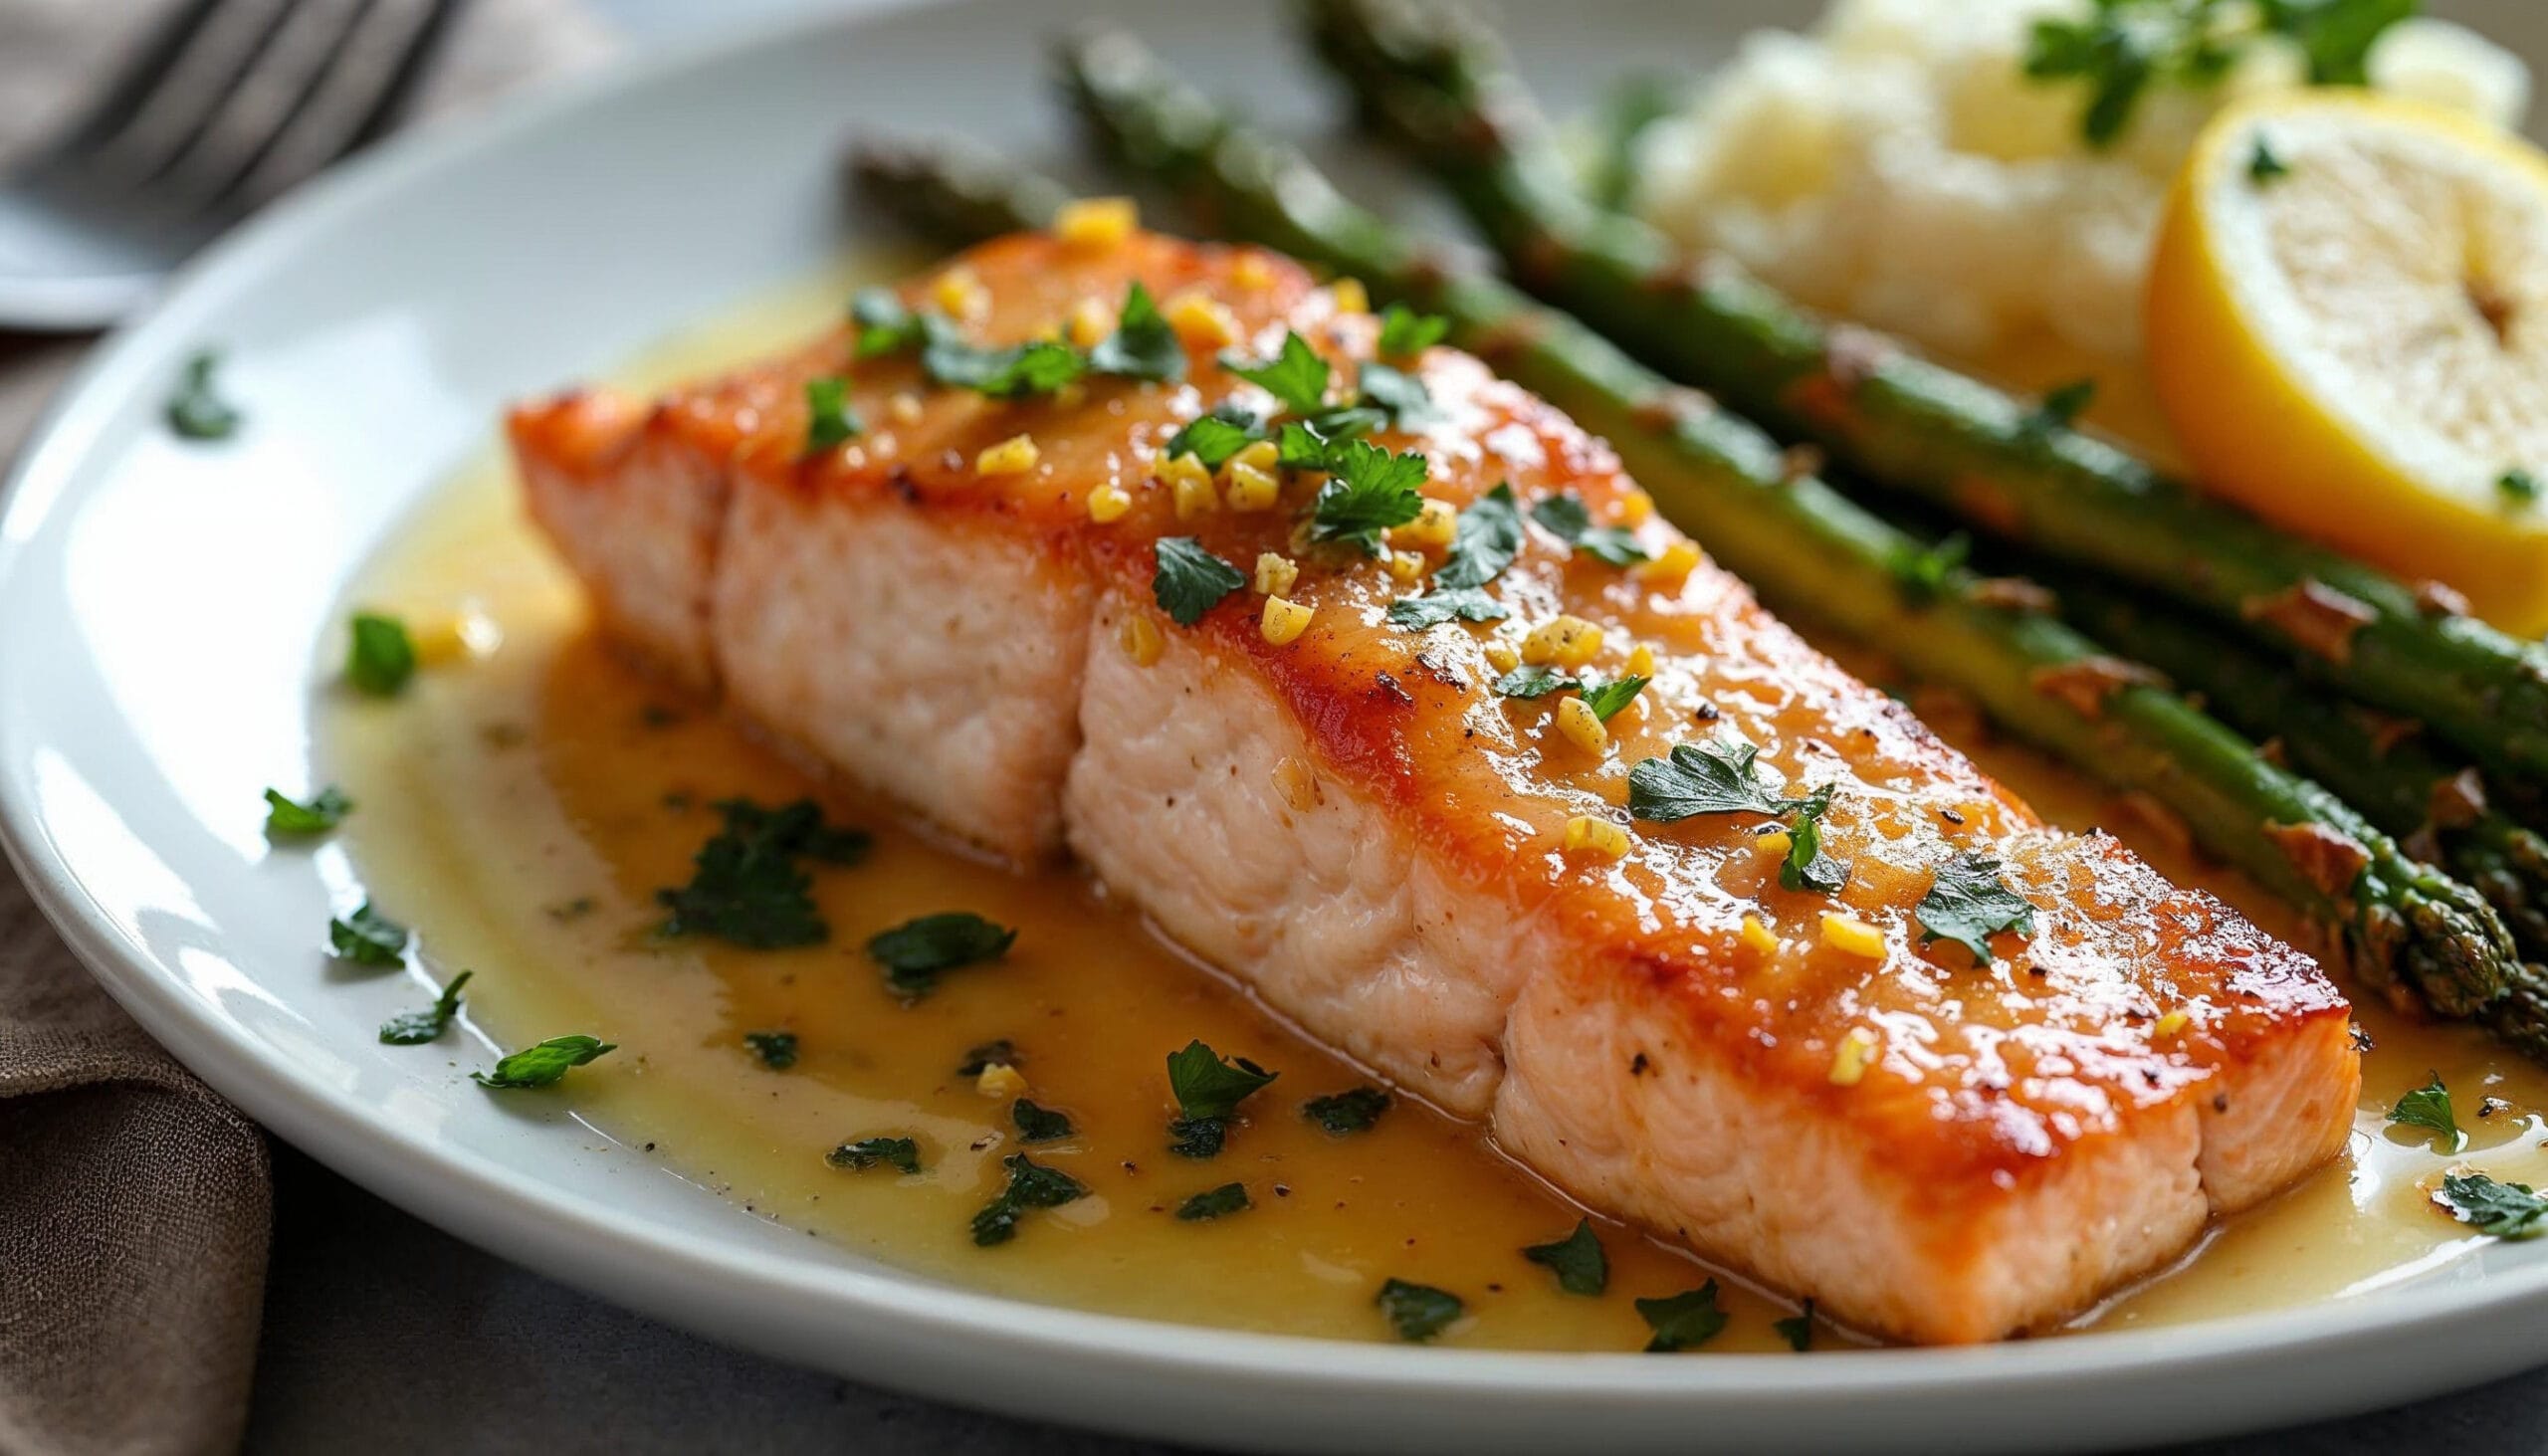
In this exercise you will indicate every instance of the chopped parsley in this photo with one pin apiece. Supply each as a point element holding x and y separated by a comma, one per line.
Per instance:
<point>546,1063</point>
<point>1038,1123</point>
<point>1031,1186</point>
<point>1297,375</point>
<point>1484,542</point>
<point>196,411</point>
<point>1806,867</point>
<point>1209,1090</point>
<point>1317,442</point>
<point>2264,167</point>
<point>288,818</point>
<point>1017,371</point>
<point>1212,1203</point>
<point>901,1154</point>
<point>379,657</point>
<point>2518,486</point>
<point>1577,1260</point>
<point>1568,518</point>
<point>2060,407</point>
<point>1142,346</point>
<point>1465,603</point>
<point>1924,571</point>
<point>1400,395</point>
<point>1700,779</point>
<point>1367,490</point>
<point>1190,580</point>
<point>1213,438</point>
<point>915,952</point>
<point>1354,1110</point>
<point>1535,679</point>
<point>1405,333</point>
<point>885,326</point>
<point>2429,1106</point>
<point>747,886</point>
<point>2122,47</point>
<point>415,1028</point>
<point>1608,699</point>
<point>777,1049</point>
<point>1683,1322</point>
<point>369,937</point>
<point>1417,1312</point>
<point>1967,904</point>
<point>829,421</point>
<point>1796,1328</point>
<point>2507,1211</point>
<point>1001,1053</point>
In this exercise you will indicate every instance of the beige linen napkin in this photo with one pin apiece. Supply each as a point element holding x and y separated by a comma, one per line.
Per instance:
<point>135,1203</point>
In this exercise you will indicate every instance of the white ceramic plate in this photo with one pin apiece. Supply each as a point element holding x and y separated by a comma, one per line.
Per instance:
<point>158,606</point>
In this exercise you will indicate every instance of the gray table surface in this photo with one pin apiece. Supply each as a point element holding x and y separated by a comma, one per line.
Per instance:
<point>379,1324</point>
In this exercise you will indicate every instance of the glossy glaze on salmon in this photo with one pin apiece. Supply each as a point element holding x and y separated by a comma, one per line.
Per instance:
<point>1354,823</point>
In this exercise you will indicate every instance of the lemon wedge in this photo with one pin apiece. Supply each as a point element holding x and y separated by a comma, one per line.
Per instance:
<point>2348,334</point>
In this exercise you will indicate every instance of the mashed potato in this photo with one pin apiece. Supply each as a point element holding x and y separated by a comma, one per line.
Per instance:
<point>1896,165</point>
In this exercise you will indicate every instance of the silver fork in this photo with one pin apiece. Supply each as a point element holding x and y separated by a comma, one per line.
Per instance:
<point>229,104</point>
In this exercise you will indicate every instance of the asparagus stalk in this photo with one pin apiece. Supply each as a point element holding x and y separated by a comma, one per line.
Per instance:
<point>2438,809</point>
<point>1439,86</point>
<point>2402,928</point>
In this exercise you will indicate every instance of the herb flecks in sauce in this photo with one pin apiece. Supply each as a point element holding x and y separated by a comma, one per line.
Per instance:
<point>545,1063</point>
<point>415,1028</point>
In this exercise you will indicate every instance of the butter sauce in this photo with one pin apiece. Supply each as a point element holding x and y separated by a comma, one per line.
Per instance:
<point>522,807</point>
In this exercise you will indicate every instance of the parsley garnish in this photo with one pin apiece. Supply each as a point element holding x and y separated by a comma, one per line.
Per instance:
<point>1317,442</point>
<point>1001,1053</point>
<point>1212,1203</point>
<point>1190,580</point>
<point>1142,346</point>
<point>1213,438</point>
<point>746,887</point>
<point>2507,1211</point>
<point>1535,679</point>
<point>1608,699</point>
<point>885,326</point>
<point>1039,366</point>
<point>1806,867</point>
<point>2059,409</point>
<point>915,952</point>
<point>1405,332</point>
<point>1418,1312</point>
<point>1484,542</point>
<point>901,1154</point>
<point>1571,521</point>
<point>1467,603</point>
<point>1577,1260</point>
<point>2263,166</point>
<point>1037,1123</point>
<point>415,1028</point>
<point>196,411</point>
<point>1400,395</point>
<point>1796,1328</point>
<point>1967,904</point>
<point>1208,1091</point>
<point>2518,486</point>
<point>1354,1110</point>
<point>2429,1106</point>
<point>1683,1322</point>
<point>1297,376</point>
<point>1367,492</point>
<point>369,937</point>
<point>829,421</point>
<point>541,1065</point>
<point>1031,1185</point>
<point>2124,47</point>
<point>1924,571</point>
<point>1700,779</point>
<point>291,819</point>
<point>777,1049</point>
<point>380,657</point>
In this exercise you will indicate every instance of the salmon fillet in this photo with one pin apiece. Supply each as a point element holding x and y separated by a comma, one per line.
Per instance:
<point>1805,1086</point>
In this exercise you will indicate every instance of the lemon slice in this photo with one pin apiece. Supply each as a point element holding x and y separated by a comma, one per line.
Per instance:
<point>2348,333</point>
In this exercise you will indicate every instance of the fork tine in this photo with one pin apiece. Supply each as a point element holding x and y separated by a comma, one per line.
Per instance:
<point>200,78</point>
<point>294,72</point>
<point>141,77</point>
<point>354,104</point>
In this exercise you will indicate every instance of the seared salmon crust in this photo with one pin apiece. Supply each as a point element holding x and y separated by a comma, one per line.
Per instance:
<point>1805,1086</point>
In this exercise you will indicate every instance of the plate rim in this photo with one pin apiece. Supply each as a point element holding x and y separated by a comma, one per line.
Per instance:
<point>630,1261</point>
